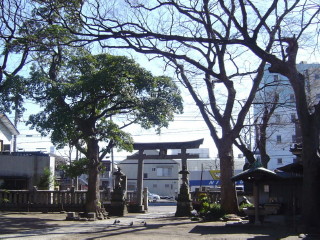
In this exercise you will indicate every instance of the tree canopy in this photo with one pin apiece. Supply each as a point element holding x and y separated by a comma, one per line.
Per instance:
<point>89,99</point>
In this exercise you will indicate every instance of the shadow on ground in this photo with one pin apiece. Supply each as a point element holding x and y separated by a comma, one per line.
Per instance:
<point>23,222</point>
<point>261,232</point>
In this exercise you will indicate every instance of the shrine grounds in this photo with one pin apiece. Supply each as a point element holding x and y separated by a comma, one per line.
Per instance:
<point>158,223</point>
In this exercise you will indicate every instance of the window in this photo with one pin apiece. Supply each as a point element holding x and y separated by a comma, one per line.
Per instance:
<point>153,169</point>
<point>154,185</point>
<point>275,78</point>
<point>167,185</point>
<point>279,160</point>
<point>145,175</point>
<point>278,138</point>
<point>164,172</point>
<point>277,118</point>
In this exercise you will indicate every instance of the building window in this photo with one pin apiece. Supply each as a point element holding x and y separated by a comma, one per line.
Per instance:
<point>164,172</point>
<point>153,169</point>
<point>279,160</point>
<point>154,185</point>
<point>167,185</point>
<point>275,78</point>
<point>278,138</point>
<point>145,175</point>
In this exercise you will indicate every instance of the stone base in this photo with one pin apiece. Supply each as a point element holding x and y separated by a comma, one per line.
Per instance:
<point>136,209</point>
<point>183,209</point>
<point>117,209</point>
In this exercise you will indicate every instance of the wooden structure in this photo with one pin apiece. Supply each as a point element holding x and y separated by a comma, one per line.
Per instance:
<point>163,148</point>
<point>256,175</point>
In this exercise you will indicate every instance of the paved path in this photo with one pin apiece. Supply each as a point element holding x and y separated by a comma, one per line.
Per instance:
<point>160,224</point>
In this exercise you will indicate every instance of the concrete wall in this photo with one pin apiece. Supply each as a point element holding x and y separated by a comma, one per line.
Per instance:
<point>31,167</point>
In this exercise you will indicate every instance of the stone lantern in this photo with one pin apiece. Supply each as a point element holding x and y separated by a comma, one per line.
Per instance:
<point>118,203</point>
<point>184,203</point>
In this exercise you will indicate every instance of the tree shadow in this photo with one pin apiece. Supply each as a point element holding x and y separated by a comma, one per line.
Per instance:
<point>23,223</point>
<point>262,232</point>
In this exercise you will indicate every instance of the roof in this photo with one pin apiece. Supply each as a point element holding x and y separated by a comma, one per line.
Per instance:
<point>255,174</point>
<point>8,124</point>
<point>292,168</point>
<point>168,145</point>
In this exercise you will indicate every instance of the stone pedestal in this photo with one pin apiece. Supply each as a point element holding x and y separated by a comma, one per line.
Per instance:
<point>118,204</point>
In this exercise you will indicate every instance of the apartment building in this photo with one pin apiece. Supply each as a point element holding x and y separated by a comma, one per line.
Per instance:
<point>283,128</point>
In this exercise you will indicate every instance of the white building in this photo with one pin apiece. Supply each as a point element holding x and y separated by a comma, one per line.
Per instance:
<point>282,131</point>
<point>160,175</point>
<point>19,171</point>
<point>7,131</point>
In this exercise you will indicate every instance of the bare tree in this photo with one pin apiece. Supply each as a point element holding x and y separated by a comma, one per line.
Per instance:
<point>283,61</point>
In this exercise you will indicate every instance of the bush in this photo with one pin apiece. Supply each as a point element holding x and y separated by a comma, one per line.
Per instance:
<point>215,213</point>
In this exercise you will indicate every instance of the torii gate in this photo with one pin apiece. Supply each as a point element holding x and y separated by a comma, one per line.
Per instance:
<point>184,205</point>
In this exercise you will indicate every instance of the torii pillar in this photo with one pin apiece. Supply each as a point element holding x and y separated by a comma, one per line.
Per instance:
<point>140,205</point>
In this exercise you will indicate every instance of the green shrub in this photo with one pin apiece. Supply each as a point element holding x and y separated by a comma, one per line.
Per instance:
<point>214,213</point>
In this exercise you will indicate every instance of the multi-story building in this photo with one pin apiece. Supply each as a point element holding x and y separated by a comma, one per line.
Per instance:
<point>282,131</point>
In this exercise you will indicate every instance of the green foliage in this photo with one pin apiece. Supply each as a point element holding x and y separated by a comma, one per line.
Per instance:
<point>46,179</point>
<point>76,168</point>
<point>214,213</point>
<point>204,203</point>
<point>210,211</point>
<point>87,90</point>
<point>13,88</point>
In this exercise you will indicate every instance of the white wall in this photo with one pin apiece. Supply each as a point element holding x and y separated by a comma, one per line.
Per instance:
<point>31,167</point>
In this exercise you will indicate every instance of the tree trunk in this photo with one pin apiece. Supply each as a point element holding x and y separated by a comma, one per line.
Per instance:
<point>311,177</point>
<point>93,194</point>
<point>309,123</point>
<point>228,192</point>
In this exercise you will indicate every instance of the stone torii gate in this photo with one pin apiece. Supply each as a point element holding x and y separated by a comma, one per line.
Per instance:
<point>184,204</point>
